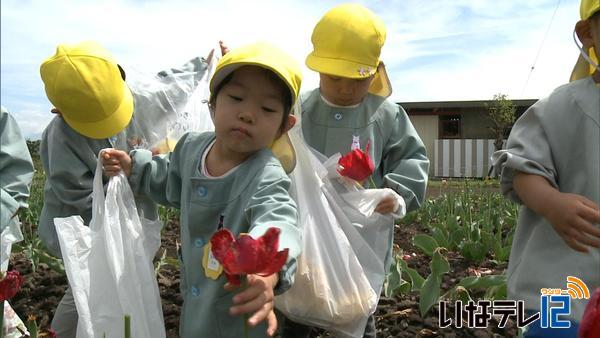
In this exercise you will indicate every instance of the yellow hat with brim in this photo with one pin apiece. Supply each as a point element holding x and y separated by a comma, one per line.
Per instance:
<point>268,56</point>
<point>84,83</point>
<point>347,42</point>
<point>582,68</point>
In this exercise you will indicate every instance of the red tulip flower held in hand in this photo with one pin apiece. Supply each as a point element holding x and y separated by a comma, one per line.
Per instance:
<point>247,255</point>
<point>10,285</point>
<point>590,323</point>
<point>357,164</point>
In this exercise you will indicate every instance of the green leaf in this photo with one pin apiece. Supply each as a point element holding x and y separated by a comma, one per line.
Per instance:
<point>392,282</point>
<point>458,293</point>
<point>430,293</point>
<point>439,264</point>
<point>426,243</point>
<point>441,237</point>
<point>483,282</point>
<point>496,292</point>
<point>416,280</point>
<point>474,251</point>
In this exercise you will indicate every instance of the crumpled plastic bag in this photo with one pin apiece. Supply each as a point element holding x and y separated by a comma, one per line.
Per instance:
<point>330,288</point>
<point>109,264</point>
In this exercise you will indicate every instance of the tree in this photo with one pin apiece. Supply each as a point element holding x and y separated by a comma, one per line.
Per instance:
<point>502,115</point>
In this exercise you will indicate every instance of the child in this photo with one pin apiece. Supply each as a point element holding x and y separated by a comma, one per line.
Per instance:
<point>551,166</point>
<point>95,110</point>
<point>350,109</point>
<point>228,178</point>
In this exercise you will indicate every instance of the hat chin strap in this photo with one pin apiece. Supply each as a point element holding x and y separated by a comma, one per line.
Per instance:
<point>584,53</point>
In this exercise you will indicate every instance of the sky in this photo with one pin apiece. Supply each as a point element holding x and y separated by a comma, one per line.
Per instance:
<point>436,50</point>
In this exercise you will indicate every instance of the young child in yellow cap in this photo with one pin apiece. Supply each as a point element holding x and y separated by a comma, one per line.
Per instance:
<point>229,178</point>
<point>95,109</point>
<point>551,166</point>
<point>350,110</point>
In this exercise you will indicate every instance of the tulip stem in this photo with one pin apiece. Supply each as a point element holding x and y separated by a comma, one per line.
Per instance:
<point>2,319</point>
<point>245,315</point>
<point>372,183</point>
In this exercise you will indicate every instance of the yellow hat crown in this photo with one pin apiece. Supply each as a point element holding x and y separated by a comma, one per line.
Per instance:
<point>588,8</point>
<point>84,83</point>
<point>261,54</point>
<point>347,42</point>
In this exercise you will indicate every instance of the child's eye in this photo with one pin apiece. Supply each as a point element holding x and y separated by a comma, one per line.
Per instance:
<point>235,97</point>
<point>268,109</point>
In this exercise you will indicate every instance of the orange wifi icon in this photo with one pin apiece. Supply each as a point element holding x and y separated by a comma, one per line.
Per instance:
<point>577,288</point>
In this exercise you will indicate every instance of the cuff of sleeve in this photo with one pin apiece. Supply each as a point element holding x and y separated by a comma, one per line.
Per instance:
<point>509,164</point>
<point>286,277</point>
<point>139,159</point>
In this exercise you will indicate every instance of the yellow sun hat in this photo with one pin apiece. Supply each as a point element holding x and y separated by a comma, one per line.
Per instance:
<point>347,42</point>
<point>84,83</point>
<point>268,56</point>
<point>582,68</point>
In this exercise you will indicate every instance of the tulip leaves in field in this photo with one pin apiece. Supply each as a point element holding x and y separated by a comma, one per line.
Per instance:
<point>430,291</point>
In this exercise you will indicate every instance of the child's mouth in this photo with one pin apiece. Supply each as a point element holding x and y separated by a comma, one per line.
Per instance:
<point>241,131</point>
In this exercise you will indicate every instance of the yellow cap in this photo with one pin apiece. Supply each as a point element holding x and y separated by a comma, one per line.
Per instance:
<point>582,68</point>
<point>347,42</point>
<point>267,56</point>
<point>261,54</point>
<point>84,83</point>
<point>588,8</point>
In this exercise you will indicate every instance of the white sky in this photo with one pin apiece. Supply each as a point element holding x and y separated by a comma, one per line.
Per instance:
<point>436,50</point>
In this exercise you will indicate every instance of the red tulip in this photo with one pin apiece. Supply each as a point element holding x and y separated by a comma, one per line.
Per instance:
<point>10,285</point>
<point>590,323</point>
<point>247,255</point>
<point>357,164</point>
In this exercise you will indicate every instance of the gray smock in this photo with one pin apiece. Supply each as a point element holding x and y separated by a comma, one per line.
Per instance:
<point>250,199</point>
<point>16,170</point>
<point>557,138</point>
<point>397,151</point>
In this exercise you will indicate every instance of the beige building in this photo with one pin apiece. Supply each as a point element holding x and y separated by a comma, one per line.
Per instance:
<point>457,135</point>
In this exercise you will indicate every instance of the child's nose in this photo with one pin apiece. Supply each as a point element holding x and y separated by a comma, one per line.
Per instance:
<point>246,116</point>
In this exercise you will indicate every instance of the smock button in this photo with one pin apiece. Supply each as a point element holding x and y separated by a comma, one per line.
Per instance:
<point>202,191</point>
<point>338,116</point>
<point>195,291</point>
<point>199,242</point>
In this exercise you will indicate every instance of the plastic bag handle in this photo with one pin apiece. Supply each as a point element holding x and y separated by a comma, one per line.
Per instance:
<point>97,192</point>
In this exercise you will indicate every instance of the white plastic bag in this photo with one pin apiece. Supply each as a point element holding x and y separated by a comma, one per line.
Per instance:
<point>331,289</point>
<point>196,116</point>
<point>109,264</point>
<point>370,233</point>
<point>11,234</point>
<point>168,105</point>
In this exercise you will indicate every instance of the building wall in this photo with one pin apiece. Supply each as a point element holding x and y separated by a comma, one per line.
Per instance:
<point>475,123</point>
<point>427,128</point>
<point>463,157</point>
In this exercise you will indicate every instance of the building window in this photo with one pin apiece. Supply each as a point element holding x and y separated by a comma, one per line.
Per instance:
<point>450,126</point>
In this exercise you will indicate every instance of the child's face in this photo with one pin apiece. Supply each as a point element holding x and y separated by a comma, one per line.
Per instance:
<point>344,91</point>
<point>248,111</point>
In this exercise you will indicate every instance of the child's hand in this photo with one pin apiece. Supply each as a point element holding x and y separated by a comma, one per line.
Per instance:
<point>258,300</point>
<point>113,161</point>
<point>573,218</point>
<point>386,206</point>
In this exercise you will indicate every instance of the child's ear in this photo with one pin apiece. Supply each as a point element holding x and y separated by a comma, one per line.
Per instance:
<point>291,122</point>
<point>584,33</point>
